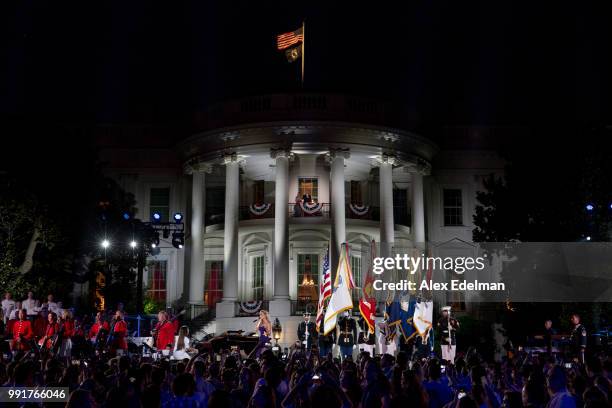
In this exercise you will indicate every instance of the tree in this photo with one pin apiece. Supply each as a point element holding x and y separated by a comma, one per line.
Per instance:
<point>542,198</point>
<point>34,253</point>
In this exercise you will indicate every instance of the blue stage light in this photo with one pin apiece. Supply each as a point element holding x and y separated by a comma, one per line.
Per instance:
<point>178,217</point>
<point>156,217</point>
<point>126,216</point>
<point>590,207</point>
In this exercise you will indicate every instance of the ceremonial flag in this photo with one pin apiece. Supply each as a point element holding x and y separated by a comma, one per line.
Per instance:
<point>341,299</point>
<point>325,289</point>
<point>293,45</point>
<point>423,316</point>
<point>401,313</point>
<point>367,303</point>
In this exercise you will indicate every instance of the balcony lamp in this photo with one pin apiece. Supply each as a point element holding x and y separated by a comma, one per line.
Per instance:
<point>277,330</point>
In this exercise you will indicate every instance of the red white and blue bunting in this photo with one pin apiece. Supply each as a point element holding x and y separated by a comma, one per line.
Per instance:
<point>251,307</point>
<point>259,210</point>
<point>311,209</point>
<point>359,210</point>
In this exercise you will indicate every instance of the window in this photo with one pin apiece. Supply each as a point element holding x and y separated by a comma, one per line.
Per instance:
<point>309,186</point>
<point>257,266</point>
<point>308,277</point>
<point>258,192</point>
<point>356,269</point>
<point>400,206</point>
<point>160,202</point>
<point>215,205</point>
<point>213,282</point>
<point>356,192</point>
<point>453,208</point>
<point>156,280</point>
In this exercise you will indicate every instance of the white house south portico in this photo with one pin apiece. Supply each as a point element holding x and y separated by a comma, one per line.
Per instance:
<point>271,182</point>
<point>273,167</point>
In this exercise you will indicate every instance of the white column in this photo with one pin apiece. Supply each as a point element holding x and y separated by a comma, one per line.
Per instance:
<point>230,239</point>
<point>338,205</point>
<point>196,272</point>
<point>387,223</point>
<point>418,209</point>
<point>281,226</point>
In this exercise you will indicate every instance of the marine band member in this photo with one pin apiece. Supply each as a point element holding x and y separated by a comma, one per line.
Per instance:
<point>51,333</point>
<point>448,327</point>
<point>100,324</point>
<point>22,333</point>
<point>164,332</point>
<point>118,333</point>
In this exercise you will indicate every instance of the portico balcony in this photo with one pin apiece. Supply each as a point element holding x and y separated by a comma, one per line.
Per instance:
<point>215,215</point>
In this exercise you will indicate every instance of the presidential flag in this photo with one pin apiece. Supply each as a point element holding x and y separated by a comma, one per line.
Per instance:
<point>341,299</point>
<point>367,303</point>
<point>325,290</point>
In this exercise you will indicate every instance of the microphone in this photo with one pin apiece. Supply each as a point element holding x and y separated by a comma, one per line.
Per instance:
<point>255,321</point>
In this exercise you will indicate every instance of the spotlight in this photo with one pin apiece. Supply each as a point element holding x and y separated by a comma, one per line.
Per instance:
<point>588,238</point>
<point>590,207</point>
<point>126,216</point>
<point>178,217</point>
<point>105,243</point>
<point>610,206</point>
<point>156,217</point>
<point>133,244</point>
<point>178,240</point>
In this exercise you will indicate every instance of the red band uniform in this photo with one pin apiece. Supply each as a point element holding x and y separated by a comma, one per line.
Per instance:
<point>22,331</point>
<point>95,329</point>
<point>120,331</point>
<point>47,341</point>
<point>165,335</point>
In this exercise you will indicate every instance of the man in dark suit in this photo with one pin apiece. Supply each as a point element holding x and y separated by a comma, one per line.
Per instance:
<point>307,332</point>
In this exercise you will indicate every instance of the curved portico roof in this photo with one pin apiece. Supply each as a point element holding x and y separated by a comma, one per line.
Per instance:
<point>307,123</point>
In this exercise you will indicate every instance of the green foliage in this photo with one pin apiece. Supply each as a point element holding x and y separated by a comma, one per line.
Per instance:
<point>152,306</point>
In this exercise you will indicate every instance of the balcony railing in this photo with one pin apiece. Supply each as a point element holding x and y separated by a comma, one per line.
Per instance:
<point>358,213</point>
<point>247,309</point>
<point>216,215</point>
<point>297,210</point>
<point>255,212</point>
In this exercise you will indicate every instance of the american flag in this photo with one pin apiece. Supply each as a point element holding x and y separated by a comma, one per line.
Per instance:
<point>325,289</point>
<point>289,39</point>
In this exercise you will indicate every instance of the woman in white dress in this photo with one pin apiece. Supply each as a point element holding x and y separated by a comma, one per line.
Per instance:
<point>181,345</point>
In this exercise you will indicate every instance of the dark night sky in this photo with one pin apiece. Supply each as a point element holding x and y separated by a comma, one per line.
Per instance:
<point>542,65</point>
<point>489,62</point>
<point>525,63</point>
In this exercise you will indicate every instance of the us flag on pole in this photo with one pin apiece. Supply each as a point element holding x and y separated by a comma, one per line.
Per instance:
<point>325,290</point>
<point>291,43</point>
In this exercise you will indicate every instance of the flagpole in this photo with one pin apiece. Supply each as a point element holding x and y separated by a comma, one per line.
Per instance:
<point>303,49</point>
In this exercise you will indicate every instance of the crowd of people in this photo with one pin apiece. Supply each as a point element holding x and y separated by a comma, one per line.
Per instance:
<point>194,374</point>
